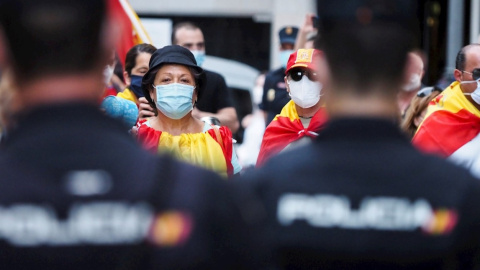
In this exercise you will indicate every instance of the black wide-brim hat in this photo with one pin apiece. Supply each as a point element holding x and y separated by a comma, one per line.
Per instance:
<point>174,54</point>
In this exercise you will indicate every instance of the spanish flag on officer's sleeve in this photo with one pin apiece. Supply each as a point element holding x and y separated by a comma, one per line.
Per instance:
<point>451,122</point>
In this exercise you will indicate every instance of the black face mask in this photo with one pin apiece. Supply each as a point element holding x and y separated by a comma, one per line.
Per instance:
<point>136,85</point>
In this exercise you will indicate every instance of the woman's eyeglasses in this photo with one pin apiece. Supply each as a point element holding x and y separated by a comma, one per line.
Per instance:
<point>297,74</point>
<point>475,73</point>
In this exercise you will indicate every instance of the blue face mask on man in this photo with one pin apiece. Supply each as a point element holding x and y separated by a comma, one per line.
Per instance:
<point>136,85</point>
<point>284,55</point>
<point>199,57</point>
<point>174,100</point>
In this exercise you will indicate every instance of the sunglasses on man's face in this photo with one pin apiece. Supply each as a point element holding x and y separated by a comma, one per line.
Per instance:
<point>475,73</point>
<point>297,74</point>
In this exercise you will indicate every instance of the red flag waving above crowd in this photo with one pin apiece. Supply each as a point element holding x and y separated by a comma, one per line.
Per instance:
<point>131,29</point>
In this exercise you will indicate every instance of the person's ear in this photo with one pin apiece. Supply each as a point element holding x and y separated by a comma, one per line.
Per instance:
<point>195,95</point>
<point>458,75</point>
<point>286,84</point>
<point>152,93</point>
<point>128,81</point>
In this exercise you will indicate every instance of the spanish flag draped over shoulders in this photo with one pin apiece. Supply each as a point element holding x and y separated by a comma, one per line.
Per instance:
<point>451,122</point>
<point>286,128</point>
<point>211,149</point>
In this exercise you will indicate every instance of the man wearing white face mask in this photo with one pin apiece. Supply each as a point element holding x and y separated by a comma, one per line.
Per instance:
<point>413,84</point>
<point>274,91</point>
<point>302,117</point>
<point>452,124</point>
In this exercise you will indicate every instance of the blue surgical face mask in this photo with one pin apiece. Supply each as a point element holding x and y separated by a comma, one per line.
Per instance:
<point>284,55</point>
<point>136,85</point>
<point>199,57</point>
<point>174,100</point>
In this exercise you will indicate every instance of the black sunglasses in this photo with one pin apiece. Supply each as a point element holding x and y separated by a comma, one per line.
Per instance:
<point>475,73</point>
<point>297,74</point>
<point>426,91</point>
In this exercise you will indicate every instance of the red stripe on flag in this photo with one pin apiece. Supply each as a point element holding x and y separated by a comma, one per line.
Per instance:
<point>444,132</point>
<point>282,131</point>
<point>122,21</point>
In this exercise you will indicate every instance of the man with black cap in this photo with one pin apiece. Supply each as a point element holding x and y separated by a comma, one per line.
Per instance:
<point>362,197</point>
<point>275,94</point>
<point>76,191</point>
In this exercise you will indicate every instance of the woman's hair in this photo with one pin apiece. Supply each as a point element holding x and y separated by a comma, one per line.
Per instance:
<point>131,58</point>
<point>418,104</point>
<point>149,78</point>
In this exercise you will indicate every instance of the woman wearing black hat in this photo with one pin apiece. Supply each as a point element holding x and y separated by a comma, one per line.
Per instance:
<point>172,85</point>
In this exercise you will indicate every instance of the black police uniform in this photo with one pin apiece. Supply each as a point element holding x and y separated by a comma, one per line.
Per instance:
<point>361,197</point>
<point>77,192</point>
<point>275,95</point>
<point>215,95</point>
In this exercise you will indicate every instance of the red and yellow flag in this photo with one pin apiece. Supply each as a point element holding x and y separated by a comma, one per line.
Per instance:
<point>285,128</point>
<point>451,121</point>
<point>131,29</point>
<point>211,149</point>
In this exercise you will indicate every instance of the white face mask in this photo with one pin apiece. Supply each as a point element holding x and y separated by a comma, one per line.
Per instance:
<point>107,74</point>
<point>475,94</point>
<point>413,84</point>
<point>305,93</point>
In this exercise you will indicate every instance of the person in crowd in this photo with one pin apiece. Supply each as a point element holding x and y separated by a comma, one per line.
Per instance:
<point>301,119</point>
<point>172,86</point>
<point>361,196</point>
<point>136,65</point>
<point>216,100</point>
<point>417,109</point>
<point>108,74</point>
<point>254,125</point>
<point>275,96</point>
<point>413,84</point>
<point>118,80</point>
<point>452,125</point>
<point>77,192</point>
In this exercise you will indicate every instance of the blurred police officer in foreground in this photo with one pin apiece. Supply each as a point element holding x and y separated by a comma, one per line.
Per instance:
<point>76,192</point>
<point>362,197</point>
